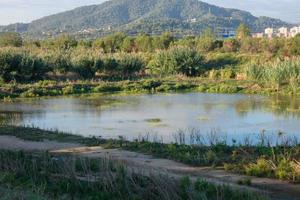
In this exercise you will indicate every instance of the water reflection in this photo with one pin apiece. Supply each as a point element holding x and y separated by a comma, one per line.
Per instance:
<point>133,115</point>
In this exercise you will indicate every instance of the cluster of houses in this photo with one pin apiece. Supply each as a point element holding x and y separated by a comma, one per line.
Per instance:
<point>281,32</point>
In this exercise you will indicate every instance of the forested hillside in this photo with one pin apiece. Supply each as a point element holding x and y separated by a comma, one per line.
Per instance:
<point>182,17</point>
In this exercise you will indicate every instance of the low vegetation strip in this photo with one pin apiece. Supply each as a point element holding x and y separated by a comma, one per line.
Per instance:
<point>280,161</point>
<point>171,84</point>
<point>65,177</point>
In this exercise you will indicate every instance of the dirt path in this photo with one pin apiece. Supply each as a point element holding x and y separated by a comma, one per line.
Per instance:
<point>13,143</point>
<point>278,190</point>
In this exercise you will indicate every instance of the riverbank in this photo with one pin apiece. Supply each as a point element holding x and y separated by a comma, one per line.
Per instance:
<point>170,84</point>
<point>65,176</point>
<point>117,151</point>
<point>262,160</point>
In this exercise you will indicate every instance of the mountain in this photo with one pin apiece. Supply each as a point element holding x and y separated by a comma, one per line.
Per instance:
<point>135,16</point>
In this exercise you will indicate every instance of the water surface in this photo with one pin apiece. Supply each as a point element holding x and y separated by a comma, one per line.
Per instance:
<point>110,116</point>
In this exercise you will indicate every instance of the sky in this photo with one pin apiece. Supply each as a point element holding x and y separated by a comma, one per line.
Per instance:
<point>12,11</point>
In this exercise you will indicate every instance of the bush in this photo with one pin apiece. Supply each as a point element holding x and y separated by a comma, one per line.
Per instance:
<point>68,90</point>
<point>59,62</point>
<point>262,168</point>
<point>21,67</point>
<point>294,46</point>
<point>231,45</point>
<point>86,66</point>
<point>130,66</point>
<point>177,61</point>
<point>11,39</point>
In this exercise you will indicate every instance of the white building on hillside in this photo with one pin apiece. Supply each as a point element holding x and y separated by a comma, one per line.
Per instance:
<point>269,32</point>
<point>294,31</point>
<point>258,35</point>
<point>283,32</point>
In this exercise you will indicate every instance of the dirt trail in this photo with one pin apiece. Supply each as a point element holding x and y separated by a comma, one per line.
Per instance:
<point>278,190</point>
<point>13,143</point>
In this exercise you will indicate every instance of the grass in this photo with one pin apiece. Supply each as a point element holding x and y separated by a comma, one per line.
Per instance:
<point>8,92</point>
<point>280,160</point>
<point>154,120</point>
<point>35,134</point>
<point>46,176</point>
<point>277,74</point>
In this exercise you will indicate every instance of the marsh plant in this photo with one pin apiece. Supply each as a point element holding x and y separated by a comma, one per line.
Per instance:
<point>63,176</point>
<point>276,73</point>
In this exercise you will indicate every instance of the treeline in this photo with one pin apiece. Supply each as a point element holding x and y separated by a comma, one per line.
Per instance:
<point>119,57</point>
<point>23,66</point>
<point>206,42</point>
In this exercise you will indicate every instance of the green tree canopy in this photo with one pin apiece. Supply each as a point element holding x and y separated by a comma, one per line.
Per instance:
<point>206,42</point>
<point>242,32</point>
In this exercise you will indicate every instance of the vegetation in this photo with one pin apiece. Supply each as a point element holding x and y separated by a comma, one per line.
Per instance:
<point>146,63</point>
<point>10,39</point>
<point>154,17</point>
<point>64,177</point>
<point>277,73</point>
<point>276,157</point>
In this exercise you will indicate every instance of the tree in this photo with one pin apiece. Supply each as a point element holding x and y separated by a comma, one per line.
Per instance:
<point>144,43</point>
<point>166,39</point>
<point>113,43</point>
<point>11,39</point>
<point>242,32</point>
<point>295,45</point>
<point>206,42</point>
<point>99,44</point>
<point>128,45</point>
<point>230,45</point>
<point>65,42</point>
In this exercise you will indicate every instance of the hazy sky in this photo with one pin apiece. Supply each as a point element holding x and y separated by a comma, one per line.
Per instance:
<point>12,11</point>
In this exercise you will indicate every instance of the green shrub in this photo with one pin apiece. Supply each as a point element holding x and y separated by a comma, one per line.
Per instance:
<point>130,66</point>
<point>262,168</point>
<point>107,87</point>
<point>177,60</point>
<point>21,67</point>
<point>68,90</point>
<point>10,39</point>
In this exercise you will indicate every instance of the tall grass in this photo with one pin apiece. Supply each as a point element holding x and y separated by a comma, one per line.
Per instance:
<point>60,176</point>
<point>276,73</point>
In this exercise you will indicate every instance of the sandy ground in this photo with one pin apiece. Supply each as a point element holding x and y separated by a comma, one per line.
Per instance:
<point>278,190</point>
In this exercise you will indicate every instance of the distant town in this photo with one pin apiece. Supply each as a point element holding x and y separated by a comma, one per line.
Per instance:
<point>281,32</point>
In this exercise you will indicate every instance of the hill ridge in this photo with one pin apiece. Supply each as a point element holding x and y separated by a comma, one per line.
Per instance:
<point>184,17</point>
